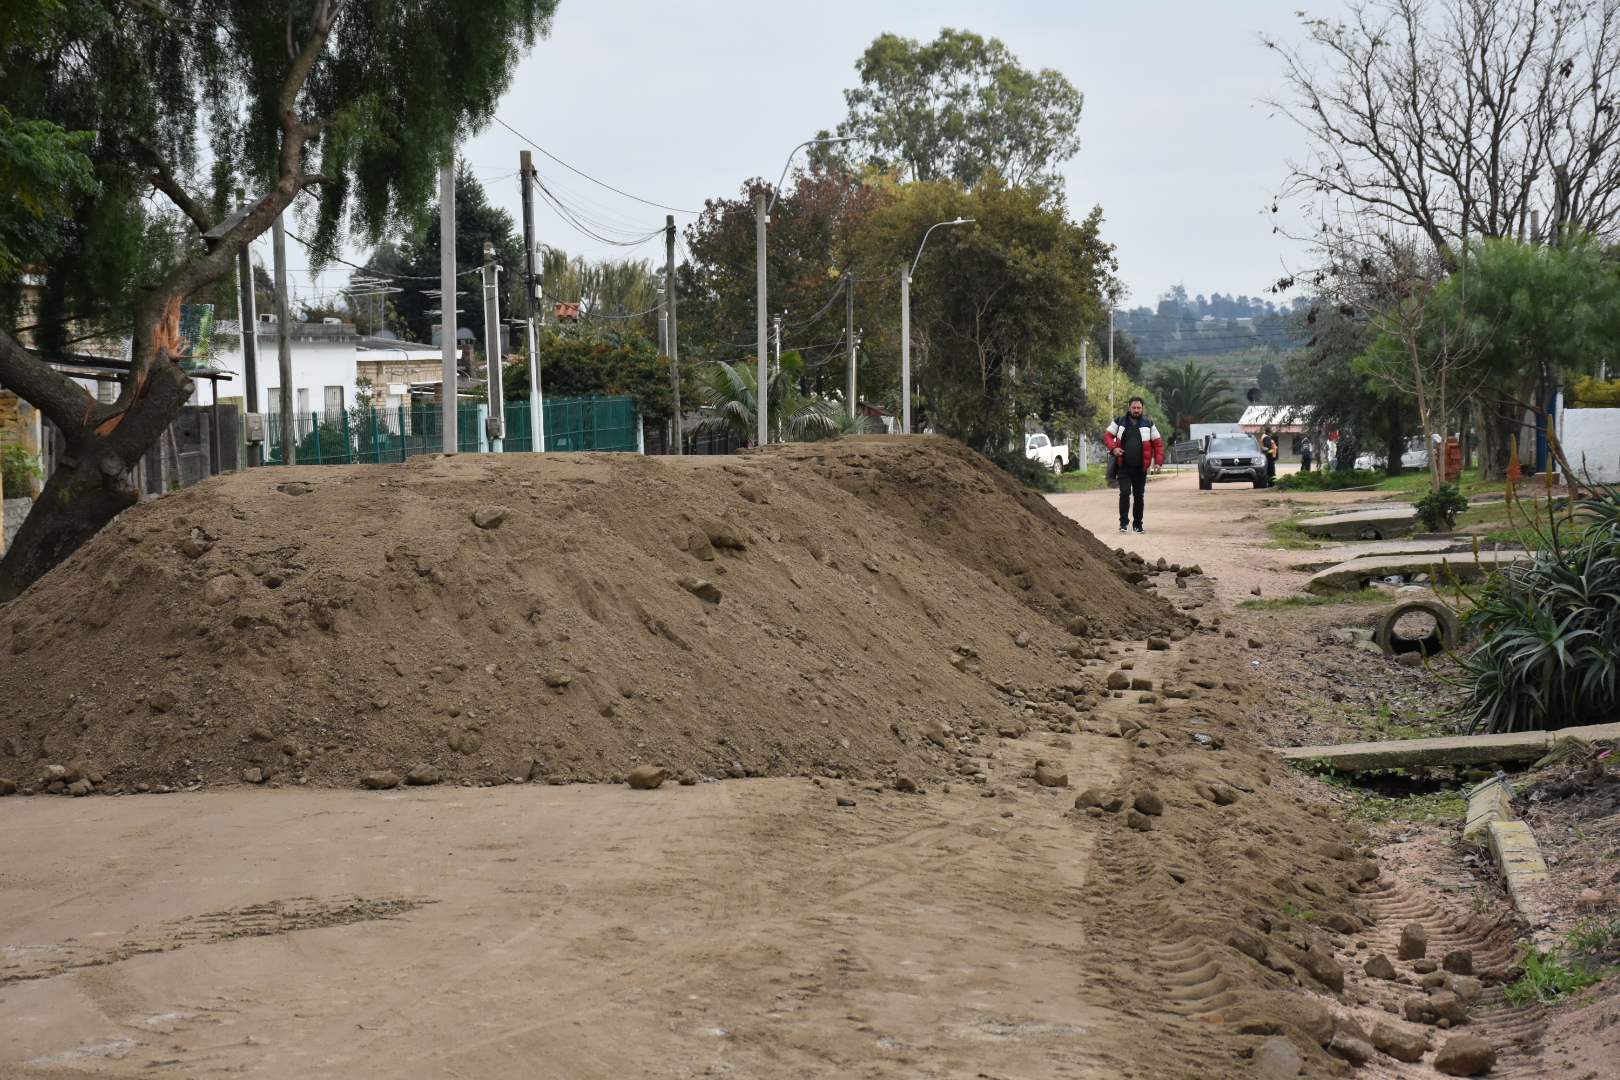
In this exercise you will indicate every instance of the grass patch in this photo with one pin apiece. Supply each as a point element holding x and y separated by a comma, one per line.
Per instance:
<point>1091,478</point>
<point>1436,808</point>
<point>1289,603</point>
<point>1546,977</point>
<point>1326,480</point>
<point>1285,534</point>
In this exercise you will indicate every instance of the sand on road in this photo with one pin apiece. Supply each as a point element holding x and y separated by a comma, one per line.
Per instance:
<point>580,931</point>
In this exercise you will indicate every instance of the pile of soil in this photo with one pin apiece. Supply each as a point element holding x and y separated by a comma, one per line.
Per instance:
<point>484,618</point>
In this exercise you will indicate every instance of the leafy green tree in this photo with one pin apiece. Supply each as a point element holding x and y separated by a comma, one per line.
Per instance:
<point>1269,380</point>
<point>45,169</point>
<point>586,360</point>
<point>1538,313</point>
<point>351,103</point>
<point>1127,356</point>
<point>1192,394</point>
<point>960,108</point>
<point>999,308</point>
<point>1321,382</point>
<point>809,262</point>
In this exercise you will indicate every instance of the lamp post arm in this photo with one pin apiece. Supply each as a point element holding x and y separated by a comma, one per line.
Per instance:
<point>959,221</point>
<point>789,164</point>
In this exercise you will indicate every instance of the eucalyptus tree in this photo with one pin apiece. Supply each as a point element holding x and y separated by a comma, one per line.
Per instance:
<point>351,105</point>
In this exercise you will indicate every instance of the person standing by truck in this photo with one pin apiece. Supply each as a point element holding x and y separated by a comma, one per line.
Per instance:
<point>1269,447</point>
<point>1138,449</point>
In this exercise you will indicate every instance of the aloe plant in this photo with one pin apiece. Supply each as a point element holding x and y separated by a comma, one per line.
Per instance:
<point>1549,628</point>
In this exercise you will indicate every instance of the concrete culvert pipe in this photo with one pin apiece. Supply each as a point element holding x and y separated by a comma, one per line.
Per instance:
<point>1421,626</point>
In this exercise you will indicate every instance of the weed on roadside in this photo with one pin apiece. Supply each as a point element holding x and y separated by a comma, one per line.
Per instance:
<point>1546,977</point>
<point>1285,534</point>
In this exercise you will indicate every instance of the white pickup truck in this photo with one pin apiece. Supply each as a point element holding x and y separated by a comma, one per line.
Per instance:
<point>1054,456</point>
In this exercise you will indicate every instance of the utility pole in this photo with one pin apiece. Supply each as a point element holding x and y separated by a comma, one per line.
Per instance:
<point>250,330</point>
<point>289,430</point>
<point>671,335</point>
<point>905,348</point>
<point>761,219</point>
<point>1110,365</point>
<point>849,335</point>
<point>494,362</point>
<point>447,305</point>
<point>531,291</point>
<point>1082,439</point>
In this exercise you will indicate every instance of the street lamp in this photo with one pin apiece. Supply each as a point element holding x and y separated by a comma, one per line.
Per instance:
<point>905,323</point>
<point>762,217</point>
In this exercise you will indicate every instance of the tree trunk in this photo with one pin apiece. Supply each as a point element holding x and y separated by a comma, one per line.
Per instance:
<point>91,485</point>
<point>1499,422</point>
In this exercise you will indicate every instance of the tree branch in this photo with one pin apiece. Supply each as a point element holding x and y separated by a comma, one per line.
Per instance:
<point>68,405</point>
<point>164,180</point>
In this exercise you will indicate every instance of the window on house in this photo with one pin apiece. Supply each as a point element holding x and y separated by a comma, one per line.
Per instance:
<point>334,400</point>
<point>303,400</point>
<point>272,399</point>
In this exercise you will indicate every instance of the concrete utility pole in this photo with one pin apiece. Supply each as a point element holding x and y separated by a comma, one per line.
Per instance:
<point>905,348</point>
<point>761,219</point>
<point>447,304</point>
<point>494,362</point>
<point>250,331</point>
<point>531,290</point>
<point>849,335</point>
<point>289,429</point>
<point>1082,439</point>
<point>671,333</point>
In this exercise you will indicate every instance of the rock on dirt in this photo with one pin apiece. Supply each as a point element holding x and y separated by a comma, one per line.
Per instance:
<point>845,800</point>
<point>1276,1059</point>
<point>489,517</point>
<point>702,588</point>
<point>646,777</point>
<point>1465,1055</point>
<point>1379,966</point>
<point>379,781</point>
<point>253,775</point>
<point>1414,942</point>
<point>1148,802</point>
<point>1118,680</point>
<point>422,775</point>
<point>1049,776</point>
<point>1400,1043</point>
<point>1139,822</point>
<point>1459,962</point>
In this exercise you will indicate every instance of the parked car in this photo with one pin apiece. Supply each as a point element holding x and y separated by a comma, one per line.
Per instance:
<point>1230,459</point>
<point>1054,456</point>
<point>1413,457</point>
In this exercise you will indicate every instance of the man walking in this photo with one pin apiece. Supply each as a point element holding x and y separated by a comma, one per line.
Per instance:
<point>1138,449</point>
<point>1306,455</point>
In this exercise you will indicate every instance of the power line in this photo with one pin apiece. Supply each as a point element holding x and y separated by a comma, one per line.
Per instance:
<point>587,176</point>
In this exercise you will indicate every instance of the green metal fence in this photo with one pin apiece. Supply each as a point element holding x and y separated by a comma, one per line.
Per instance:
<point>352,436</point>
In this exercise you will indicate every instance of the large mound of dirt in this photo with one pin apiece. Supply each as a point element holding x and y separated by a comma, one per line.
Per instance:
<point>828,606</point>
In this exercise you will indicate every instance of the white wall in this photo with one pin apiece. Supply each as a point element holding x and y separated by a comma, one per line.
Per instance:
<point>1592,434</point>
<point>315,366</point>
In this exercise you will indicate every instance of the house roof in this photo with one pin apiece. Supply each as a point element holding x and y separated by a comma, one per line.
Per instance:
<point>1278,416</point>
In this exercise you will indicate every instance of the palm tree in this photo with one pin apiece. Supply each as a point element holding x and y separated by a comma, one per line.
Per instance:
<point>1191,395</point>
<point>733,391</point>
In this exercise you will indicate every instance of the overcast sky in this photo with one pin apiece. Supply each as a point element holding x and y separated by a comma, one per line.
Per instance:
<point>676,103</point>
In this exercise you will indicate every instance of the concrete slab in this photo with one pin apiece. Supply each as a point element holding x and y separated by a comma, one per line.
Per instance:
<point>1379,523</point>
<point>1489,802</point>
<point>1518,857</point>
<point>1367,549</point>
<point>1353,575</point>
<point>1447,750</point>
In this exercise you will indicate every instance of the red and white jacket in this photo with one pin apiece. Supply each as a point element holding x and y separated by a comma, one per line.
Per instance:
<point>1152,441</point>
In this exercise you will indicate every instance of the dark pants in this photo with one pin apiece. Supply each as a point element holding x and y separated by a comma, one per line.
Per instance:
<point>1271,470</point>
<point>1304,463</point>
<point>1132,489</point>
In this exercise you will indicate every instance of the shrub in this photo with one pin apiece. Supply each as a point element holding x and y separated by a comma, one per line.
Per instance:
<point>1327,479</point>
<point>19,471</point>
<point>1438,510</point>
<point>1549,628</point>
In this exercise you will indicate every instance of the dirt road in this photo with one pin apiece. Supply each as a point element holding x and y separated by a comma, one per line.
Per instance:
<point>1222,530</point>
<point>582,931</point>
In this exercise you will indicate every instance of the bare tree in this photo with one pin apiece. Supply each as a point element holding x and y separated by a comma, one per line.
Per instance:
<point>1460,117</point>
<point>1451,119</point>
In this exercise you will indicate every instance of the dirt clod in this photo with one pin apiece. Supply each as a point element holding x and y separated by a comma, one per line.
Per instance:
<point>1276,1059</point>
<point>422,775</point>
<point>1148,802</point>
<point>380,781</point>
<point>1400,1043</point>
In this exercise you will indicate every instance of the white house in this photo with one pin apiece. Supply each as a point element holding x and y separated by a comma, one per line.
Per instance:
<point>327,358</point>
